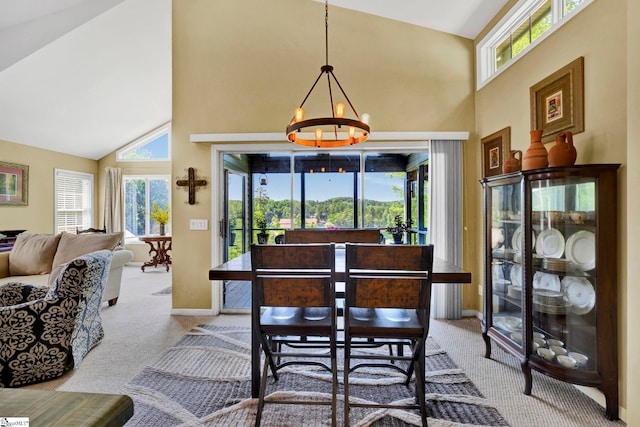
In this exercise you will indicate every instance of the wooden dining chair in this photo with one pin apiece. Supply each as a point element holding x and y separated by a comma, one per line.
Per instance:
<point>387,300</point>
<point>294,313</point>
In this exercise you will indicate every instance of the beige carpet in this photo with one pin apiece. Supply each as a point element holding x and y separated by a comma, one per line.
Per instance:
<point>139,327</point>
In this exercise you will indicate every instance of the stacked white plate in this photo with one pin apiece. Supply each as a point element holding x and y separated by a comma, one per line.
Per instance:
<point>580,294</point>
<point>550,243</point>
<point>581,250</point>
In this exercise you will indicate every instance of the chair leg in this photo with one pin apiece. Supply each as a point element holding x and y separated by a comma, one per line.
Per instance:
<point>263,386</point>
<point>334,388</point>
<point>420,390</point>
<point>347,365</point>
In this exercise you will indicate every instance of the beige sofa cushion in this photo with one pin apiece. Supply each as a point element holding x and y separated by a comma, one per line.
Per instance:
<point>74,245</point>
<point>33,254</point>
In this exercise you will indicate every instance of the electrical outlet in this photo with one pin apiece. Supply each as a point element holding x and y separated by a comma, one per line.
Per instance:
<point>198,224</point>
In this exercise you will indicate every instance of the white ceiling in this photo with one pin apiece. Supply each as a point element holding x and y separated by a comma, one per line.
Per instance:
<point>85,77</point>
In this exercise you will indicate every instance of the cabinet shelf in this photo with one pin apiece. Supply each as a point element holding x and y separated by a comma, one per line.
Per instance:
<point>568,332</point>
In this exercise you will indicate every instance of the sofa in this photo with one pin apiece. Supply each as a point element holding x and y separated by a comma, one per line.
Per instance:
<point>37,258</point>
<point>46,330</point>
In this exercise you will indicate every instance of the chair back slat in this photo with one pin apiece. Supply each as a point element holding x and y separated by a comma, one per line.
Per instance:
<point>386,276</point>
<point>332,236</point>
<point>293,275</point>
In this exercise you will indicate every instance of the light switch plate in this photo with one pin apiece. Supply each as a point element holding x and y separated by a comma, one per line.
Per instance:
<point>198,224</point>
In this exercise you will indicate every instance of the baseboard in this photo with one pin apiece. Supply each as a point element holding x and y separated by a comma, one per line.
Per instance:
<point>472,313</point>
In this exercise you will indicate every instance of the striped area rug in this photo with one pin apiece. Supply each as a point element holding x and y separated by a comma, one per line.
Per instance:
<point>204,380</point>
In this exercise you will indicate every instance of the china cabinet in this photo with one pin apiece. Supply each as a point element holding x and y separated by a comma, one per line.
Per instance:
<point>550,294</point>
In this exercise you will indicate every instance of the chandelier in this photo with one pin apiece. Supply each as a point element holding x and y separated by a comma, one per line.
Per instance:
<point>334,131</point>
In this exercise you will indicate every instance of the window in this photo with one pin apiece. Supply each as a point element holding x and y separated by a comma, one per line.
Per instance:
<point>153,146</point>
<point>526,24</point>
<point>140,193</point>
<point>73,201</point>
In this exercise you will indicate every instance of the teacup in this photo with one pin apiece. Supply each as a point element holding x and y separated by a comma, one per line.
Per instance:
<point>554,216</point>
<point>578,217</point>
<point>546,353</point>
<point>580,358</point>
<point>558,350</point>
<point>517,337</point>
<point>538,335</point>
<point>541,342</point>
<point>555,342</point>
<point>568,362</point>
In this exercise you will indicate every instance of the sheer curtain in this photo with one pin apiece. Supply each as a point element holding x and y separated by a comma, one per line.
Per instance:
<point>445,222</point>
<point>113,201</point>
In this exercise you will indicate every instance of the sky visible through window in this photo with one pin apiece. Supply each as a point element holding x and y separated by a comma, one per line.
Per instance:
<point>338,185</point>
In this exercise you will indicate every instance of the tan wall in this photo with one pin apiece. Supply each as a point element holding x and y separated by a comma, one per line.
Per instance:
<point>599,34</point>
<point>38,216</point>
<point>243,66</point>
<point>633,207</point>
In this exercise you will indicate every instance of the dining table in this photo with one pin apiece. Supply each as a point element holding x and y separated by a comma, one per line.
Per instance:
<point>239,269</point>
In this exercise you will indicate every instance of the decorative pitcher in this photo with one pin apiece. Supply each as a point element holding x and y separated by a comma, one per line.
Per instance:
<point>563,153</point>
<point>536,155</point>
<point>512,163</point>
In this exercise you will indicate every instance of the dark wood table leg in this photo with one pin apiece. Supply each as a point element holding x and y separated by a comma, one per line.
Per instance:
<point>255,358</point>
<point>153,251</point>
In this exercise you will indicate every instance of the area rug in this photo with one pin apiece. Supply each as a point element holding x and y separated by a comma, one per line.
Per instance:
<point>165,291</point>
<point>204,380</point>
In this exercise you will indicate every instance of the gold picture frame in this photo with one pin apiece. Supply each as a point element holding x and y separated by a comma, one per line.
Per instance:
<point>495,149</point>
<point>557,102</point>
<point>14,184</point>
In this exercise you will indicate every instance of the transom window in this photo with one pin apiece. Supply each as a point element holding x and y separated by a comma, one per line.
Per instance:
<point>153,146</point>
<point>526,24</point>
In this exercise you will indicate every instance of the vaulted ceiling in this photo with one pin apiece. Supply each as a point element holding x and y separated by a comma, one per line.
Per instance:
<point>85,77</point>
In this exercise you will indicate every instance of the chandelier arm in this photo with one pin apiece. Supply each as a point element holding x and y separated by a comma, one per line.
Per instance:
<point>312,87</point>
<point>345,95</point>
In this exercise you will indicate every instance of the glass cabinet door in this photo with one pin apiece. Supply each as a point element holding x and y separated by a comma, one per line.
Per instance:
<point>506,260</point>
<point>563,260</point>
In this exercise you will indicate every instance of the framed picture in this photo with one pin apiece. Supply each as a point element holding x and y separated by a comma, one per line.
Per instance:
<point>495,149</point>
<point>14,184</point>
<point>557,102</point>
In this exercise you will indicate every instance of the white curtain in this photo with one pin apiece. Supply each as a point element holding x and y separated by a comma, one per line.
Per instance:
<point>445,222</point>
<point>113,201</point>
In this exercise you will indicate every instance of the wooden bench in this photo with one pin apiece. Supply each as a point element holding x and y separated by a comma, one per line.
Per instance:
<point>320,235</point>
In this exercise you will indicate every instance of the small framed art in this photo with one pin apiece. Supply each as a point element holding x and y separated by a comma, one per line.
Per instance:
<point>495,149</point>
<point>14,184</point>
<point>557,102</point>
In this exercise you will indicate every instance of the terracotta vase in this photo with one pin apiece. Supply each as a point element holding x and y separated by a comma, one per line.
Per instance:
<point>512,163</point>
<point>536,155</point>
<point>563,153</point>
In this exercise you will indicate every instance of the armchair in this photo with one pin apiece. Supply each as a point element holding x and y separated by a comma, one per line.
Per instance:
<point>46,331</point>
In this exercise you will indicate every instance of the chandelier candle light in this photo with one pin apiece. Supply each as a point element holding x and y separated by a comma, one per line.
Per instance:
<point>334,131</point>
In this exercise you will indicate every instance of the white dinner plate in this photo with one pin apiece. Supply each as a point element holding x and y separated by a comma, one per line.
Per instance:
<point>546,281</point>
<point>580,294</point>
<point>581,249</point>
<point>516,275</point>
<point>517,240</point>
<point>508,323</point>
<point>550,243</point>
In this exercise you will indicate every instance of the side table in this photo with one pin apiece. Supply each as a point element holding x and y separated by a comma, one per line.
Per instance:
<point>159,251</point>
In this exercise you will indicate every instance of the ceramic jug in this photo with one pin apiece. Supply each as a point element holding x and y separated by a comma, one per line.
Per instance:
<point>563,153</point>
<point>536,155</point>
<point>512,163</point>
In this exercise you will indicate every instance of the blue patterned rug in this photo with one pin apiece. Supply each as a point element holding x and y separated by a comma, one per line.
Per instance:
<point>204,380</point>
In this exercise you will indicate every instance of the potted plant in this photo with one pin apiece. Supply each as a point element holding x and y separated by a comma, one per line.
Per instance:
<point>399,228</point>
<point>160,216</point>
<point>263,237</point>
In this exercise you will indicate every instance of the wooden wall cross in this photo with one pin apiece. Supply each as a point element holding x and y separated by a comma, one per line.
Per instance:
<point>191,183</point>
